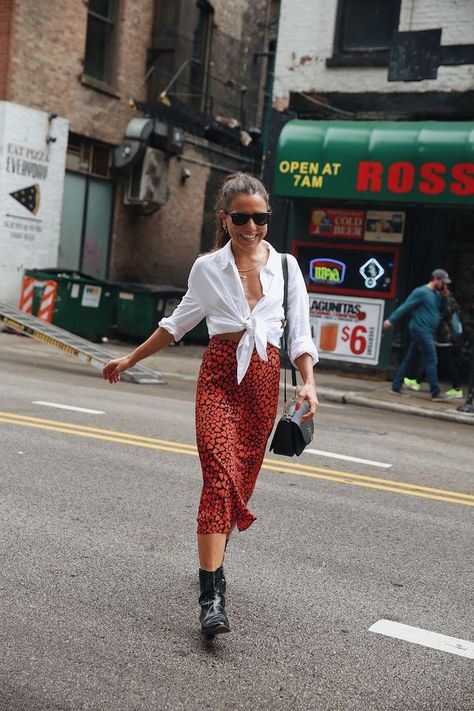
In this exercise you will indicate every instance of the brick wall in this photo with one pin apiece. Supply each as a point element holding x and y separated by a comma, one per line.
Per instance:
<point>161,248</point>
<point>237,39</point>
<point>6,10</point>
<point>228,16</point>
<point>47,57</point>
<point>306,37</point>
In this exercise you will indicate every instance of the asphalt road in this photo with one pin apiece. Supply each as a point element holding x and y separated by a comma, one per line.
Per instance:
<point>98,574</point>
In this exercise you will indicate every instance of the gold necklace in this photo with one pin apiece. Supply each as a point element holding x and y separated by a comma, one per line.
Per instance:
<point>243,272</point>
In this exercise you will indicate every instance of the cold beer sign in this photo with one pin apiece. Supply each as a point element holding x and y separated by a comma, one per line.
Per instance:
<point>336,223</point>
<point>346,329</point>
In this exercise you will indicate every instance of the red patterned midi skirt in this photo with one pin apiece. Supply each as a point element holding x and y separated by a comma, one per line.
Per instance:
<point>233,423</point>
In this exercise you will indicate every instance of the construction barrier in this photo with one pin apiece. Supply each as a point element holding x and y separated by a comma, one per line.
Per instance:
<point>48,300</point>
<point>27,291</point>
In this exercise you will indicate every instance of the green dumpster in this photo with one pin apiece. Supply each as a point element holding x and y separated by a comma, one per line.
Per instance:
<point>140,307</point>
<point>82,304</point>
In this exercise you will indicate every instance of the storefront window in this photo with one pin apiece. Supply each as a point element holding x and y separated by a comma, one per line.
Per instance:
<point>458,260</point>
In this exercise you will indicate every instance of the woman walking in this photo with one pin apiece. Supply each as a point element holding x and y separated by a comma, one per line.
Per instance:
<point>238,288</point>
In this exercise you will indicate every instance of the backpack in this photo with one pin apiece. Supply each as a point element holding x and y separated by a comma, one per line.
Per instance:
<point>456,326</point>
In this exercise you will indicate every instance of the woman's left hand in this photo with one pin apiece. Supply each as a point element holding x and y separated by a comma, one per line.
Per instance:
<point>307,393</point>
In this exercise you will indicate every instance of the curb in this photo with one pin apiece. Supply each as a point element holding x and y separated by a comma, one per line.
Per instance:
<point>352,398</point>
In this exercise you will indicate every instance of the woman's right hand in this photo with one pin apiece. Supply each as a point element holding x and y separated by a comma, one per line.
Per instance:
<point>111,371</point>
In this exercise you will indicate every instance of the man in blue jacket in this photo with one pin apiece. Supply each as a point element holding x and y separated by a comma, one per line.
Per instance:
<point>425,304</point>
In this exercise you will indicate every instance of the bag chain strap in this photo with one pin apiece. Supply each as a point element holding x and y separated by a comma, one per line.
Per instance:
<point>284,264</point>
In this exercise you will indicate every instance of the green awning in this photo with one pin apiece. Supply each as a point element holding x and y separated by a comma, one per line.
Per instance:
<point>428,162</point>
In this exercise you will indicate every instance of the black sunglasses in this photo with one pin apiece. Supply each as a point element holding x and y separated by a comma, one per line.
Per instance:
<point>241,218</point>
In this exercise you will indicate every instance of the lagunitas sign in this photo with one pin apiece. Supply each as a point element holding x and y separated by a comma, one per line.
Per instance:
<point>346,329</point>
<point>427,162</point>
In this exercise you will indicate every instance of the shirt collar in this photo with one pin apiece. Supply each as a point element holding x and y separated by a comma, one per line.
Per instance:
<point>226,256</point>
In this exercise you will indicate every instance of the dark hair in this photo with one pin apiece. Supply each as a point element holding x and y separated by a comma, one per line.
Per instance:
<point>235,184</point>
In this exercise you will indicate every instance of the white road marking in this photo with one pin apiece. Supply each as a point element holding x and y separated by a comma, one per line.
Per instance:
<point>68,407</point>
<point>346,458</point>
<point>416,635</point>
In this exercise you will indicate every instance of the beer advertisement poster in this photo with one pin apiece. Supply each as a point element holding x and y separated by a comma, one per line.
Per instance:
<point>325,222</point>
<point>383,226</point>
<point>346,329</point>
<point>348,268</point>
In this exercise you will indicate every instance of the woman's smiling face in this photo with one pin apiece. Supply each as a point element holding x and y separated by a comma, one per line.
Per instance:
<point>246,237</point>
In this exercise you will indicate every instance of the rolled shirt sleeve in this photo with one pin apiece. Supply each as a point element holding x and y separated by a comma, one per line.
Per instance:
<point>299,331</point>
<point>187,314</point>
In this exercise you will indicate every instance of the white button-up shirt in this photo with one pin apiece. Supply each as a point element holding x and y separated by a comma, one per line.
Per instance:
<point>215,291</point>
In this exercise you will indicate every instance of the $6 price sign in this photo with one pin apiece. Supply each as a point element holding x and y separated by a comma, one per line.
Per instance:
<point>356,335</point>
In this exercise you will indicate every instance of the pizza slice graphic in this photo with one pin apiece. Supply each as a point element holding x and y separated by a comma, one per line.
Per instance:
<point>28,197</point>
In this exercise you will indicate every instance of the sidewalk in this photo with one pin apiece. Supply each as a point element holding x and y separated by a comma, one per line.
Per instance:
<point>183,362</point>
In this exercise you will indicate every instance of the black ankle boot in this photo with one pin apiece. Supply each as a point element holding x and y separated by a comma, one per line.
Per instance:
<point>213,618</point>
<point>221,569</point>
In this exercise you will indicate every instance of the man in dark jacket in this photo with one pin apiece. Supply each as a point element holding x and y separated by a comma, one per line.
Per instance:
<point>425,304</point>
<point>447,339</point>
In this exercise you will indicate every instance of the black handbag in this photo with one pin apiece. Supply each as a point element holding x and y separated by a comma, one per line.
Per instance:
<point>291,435</point>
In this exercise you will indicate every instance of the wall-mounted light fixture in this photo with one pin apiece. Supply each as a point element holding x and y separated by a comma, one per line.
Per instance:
<point>49,137</point>
<point>185,174</point>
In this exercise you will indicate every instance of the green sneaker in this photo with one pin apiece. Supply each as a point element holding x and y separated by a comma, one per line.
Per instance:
<point>412,384</point>
<point>455,394</point>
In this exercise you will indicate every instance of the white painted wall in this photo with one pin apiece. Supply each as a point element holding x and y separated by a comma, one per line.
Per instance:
<point>306,38</point>
<point>29,238</point>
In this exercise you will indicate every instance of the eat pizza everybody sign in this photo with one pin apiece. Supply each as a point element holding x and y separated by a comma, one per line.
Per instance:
<point>32,169</point>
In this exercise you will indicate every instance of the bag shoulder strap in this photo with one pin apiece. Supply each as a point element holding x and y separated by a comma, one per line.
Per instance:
<point>284,264</point>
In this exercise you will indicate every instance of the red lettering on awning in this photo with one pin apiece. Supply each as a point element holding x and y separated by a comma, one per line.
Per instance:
<point>464,174</point>
<point>369,176</point>
<point>433,183</point>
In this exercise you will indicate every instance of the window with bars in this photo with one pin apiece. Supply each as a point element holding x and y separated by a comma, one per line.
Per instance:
<point>101,40</point>
<point>364,32</point>
<point>87,156</point>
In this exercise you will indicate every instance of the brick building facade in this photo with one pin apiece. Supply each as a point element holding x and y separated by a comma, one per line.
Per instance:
<point>98,64</point>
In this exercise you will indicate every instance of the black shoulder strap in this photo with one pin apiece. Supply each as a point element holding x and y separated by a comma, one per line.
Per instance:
<point>284,264</point>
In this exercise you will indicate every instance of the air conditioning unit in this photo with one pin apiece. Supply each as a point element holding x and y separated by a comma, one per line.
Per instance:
<point>148,181</point>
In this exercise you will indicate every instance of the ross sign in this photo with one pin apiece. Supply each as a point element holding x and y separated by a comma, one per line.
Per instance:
<point>346,329</point>
<point>423,162</point>
<point>327,222</point>
<point>382,226</point>
<point>351,269</point>
<point>32,172</point>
